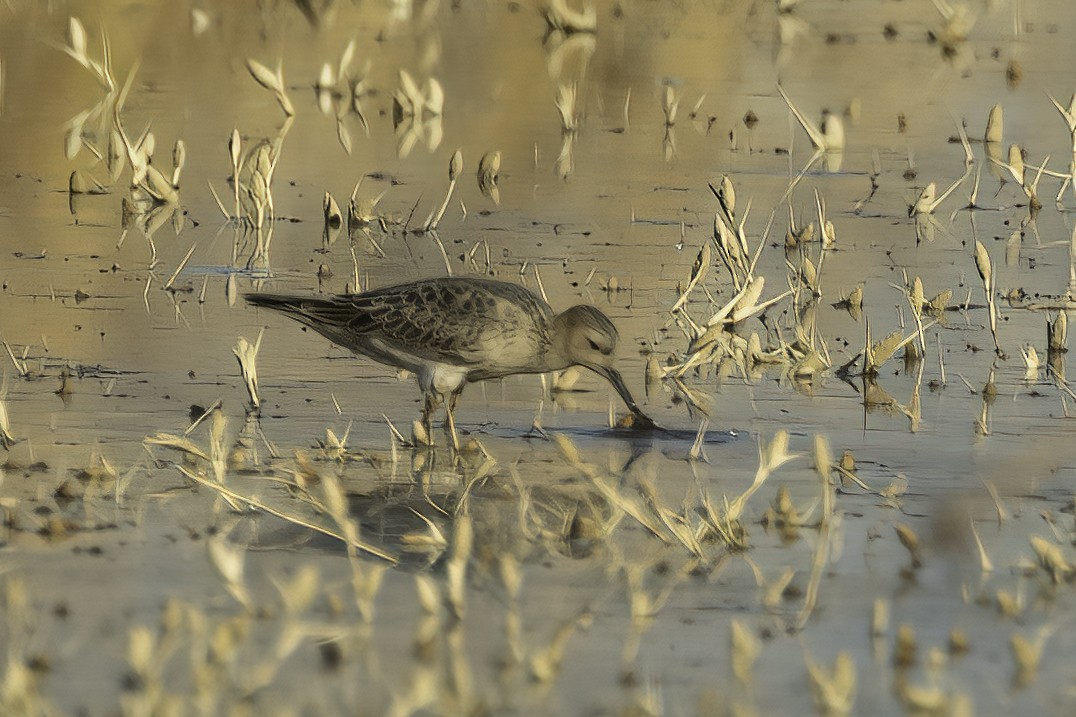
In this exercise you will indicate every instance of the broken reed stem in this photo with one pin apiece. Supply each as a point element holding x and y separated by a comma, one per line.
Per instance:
<point>444,205</point>
<point>444,253</point>
<point>20,366</point>
<point>182,265</point>
<point>220,204</point>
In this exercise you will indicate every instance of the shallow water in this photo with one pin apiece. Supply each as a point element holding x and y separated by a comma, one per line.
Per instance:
<point>102,557</point>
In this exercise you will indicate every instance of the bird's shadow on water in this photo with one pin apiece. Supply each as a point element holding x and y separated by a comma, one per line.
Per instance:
<point>384,518</point>
<point>633,435</point>
<point>389,512</point>
<point>390,522</point>
<point>674,444</point>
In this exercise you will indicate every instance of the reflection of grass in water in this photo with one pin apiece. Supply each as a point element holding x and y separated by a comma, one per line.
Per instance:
<point>250,651</point>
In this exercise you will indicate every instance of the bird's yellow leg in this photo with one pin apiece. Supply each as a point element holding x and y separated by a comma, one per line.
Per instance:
<point>428,408</point>
<point>450,419</point>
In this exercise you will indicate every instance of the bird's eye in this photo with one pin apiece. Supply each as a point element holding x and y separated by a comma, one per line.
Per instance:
<point>593,345</point>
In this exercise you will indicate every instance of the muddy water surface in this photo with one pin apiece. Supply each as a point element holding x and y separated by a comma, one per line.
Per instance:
<point>115,605</point>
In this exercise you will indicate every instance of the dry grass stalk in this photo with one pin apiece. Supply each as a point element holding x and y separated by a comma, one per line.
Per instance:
<point>179,160</point>
<point>696,452</point>
<point>146,658</point>
<point>995,125</point>
<point>929,199</point>
<point>629,505</point>
<point>218,450</point>
<point>272,81</point>
<point>178,443</point>
<point>924,700</point>
<point>366,581</point>
<point>904,651</point>
<point>456,568</point>
<point>455,167</point>
<point>726,521</point>
<point>181,267</point>
<point>235,148</point>
<point>433,541</point>
<point>297,593</point>
<point>1052,560</point>
<point>78,50</point>
<point>565,103</point>
<point>829,137</point>
<point>228,559</point>
<point>1027,655</point>
<point>834,690</point>
<point>784,514</point>
<point>643,606</point>
<point>745,651</point>
<point>828,230</point>
<point>686,527</point>
<point>999,507</point>
<point>880,617</point>
<point>559,15</point>
<point>1008,604</point>
<point>1057,333</point>
<point>771,457</point>
<point>617,499</point>
<point>698,273</point>
<point>423,690</point>
<point>729,236</point>
<point>917,302</point>
<point>670,103</point>
<point>7,439</point>
<point>875,354</point>
<point>775,591</point>
<point>331,212</point>
<point>714,342</point>
<point>545,664</point>
<point>985,564</point>
<point>247,354</point>
<point>429,594</point>
<point>1019,171</point>
<point>910,541</point>
<point>365,577</point>
<point>823,463</point>
<point>1032,363</point>
<point>20,365</point>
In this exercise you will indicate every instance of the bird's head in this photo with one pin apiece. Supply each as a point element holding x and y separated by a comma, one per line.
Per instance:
<point>584,336</point>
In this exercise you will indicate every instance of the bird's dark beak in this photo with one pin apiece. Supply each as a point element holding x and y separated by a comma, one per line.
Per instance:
<point>641,419</point>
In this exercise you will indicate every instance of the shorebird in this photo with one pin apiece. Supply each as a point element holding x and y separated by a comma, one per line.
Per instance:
<point>453,331</point>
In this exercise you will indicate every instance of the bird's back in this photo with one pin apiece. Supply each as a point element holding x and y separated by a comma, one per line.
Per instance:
<point>493,328</point>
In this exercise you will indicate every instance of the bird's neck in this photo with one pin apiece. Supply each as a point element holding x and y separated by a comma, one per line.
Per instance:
<point>555,356</point>
<point>555,361</point>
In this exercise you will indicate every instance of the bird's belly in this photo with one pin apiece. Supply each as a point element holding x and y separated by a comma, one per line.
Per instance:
<point>442,378</point>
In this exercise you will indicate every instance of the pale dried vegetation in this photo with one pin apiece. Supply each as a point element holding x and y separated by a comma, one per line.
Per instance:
<point>479,525</point>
